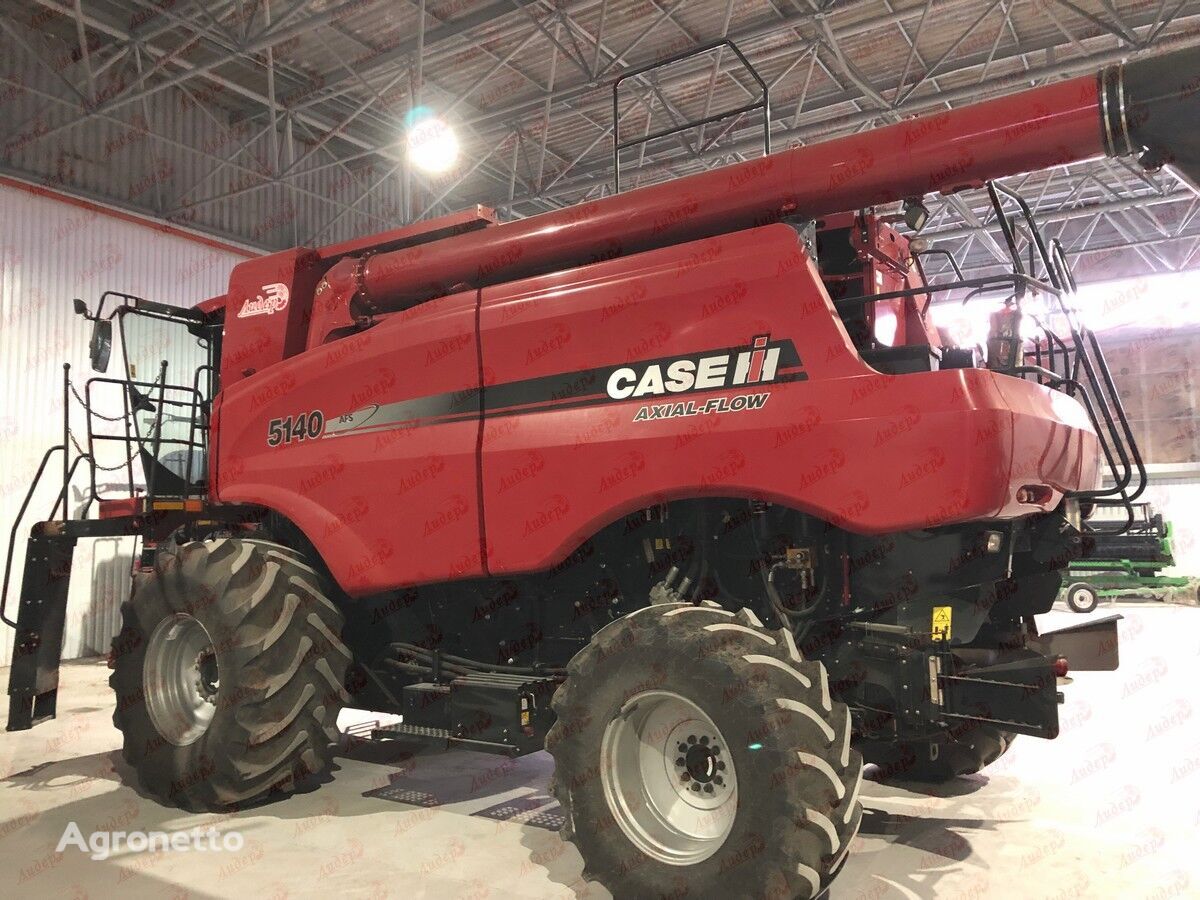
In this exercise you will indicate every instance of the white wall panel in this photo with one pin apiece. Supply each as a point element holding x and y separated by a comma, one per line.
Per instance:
<point>51,252</point>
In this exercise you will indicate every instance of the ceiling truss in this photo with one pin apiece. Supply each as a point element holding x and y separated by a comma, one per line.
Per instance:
<point>302,95</point>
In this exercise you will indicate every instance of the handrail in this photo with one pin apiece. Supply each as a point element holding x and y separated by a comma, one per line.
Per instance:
<point>151,475</point>
<point>12,538</point>
<point>1085,345</point>
<point>995,188</point>
<point>764,103</point>
<point>982,284</point>
<point>152,440</point>
<point>61,509</point>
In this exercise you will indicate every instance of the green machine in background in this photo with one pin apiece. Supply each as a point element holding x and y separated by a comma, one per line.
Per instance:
<point>1120,562</point>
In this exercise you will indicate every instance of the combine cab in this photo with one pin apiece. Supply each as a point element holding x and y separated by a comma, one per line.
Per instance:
<point>683,485</point>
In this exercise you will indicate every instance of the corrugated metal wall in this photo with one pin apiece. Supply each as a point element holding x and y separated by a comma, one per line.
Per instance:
<point>179,148</point>
<point>50,253</point>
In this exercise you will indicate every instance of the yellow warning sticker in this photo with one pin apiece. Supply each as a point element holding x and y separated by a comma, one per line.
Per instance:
<point>941,623</point>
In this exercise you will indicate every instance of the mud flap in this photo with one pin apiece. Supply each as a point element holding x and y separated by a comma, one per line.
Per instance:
<point>33,679</point>
<point>1090,647</point>
<point>1019,696</point>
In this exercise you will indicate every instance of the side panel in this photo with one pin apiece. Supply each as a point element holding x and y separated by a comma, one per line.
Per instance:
<point>1053,442</point>
<point>267,311</point>
<point>388,490</point>
<point>824,433</point>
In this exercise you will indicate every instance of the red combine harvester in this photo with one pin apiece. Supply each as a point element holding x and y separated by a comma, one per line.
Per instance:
<point>681,485</point>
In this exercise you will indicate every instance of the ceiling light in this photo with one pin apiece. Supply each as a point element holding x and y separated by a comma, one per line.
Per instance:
<point>432,143</point>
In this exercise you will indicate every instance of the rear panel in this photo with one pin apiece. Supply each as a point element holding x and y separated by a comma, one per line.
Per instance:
<point>598,426</point>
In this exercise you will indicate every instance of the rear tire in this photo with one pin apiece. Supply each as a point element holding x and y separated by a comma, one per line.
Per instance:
<point>676,697</point>
<point>1082,597</point>
<point>965,752</point>
<point>229,674</point>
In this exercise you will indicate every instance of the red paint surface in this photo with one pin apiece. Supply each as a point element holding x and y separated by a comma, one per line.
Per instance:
<point>1035,129</point>
<point>674,269</point>
<point>386,508</point>
<point>870,452</point>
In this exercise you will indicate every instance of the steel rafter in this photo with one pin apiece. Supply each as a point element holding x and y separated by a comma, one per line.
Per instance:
<point>546,143</point>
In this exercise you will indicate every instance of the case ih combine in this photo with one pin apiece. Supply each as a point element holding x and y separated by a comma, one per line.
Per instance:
<point>639,482</point>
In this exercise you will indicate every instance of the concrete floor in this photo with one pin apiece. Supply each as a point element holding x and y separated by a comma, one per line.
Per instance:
<point>1111,809</point>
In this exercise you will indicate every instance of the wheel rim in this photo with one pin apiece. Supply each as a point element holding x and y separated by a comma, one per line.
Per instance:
<point>181,679</point>
<point>1081,597</point>
<point>668,778</point>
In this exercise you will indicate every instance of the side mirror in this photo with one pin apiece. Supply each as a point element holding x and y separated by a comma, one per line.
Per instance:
<point>81,308</point>
<point>100,346</point>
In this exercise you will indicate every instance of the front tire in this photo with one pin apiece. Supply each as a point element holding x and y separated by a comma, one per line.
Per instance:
<point>696,752</point>
<point>228,674</point>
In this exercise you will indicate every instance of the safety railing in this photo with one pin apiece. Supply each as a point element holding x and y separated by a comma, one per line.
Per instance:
<point>145,441</point>
<point>1072,362</point>
<point>763,103</point>
<point>146,448</point>
<point>1078,365</point>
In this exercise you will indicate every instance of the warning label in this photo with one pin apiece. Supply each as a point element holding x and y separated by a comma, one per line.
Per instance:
<point>941,623</point>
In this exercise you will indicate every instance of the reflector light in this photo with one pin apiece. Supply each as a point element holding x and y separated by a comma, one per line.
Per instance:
<point>1034,493</point>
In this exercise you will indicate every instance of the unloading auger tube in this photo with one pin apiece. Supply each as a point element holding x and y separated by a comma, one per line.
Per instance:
<point>1149,107</point>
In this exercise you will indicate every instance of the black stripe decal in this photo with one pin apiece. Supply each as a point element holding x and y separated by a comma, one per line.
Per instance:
<point>566,390</point>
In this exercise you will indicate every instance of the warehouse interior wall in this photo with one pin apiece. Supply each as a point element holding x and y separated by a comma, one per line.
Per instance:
<point>1174,491</point>
<point>1157,371</point>
<point>52,250</point>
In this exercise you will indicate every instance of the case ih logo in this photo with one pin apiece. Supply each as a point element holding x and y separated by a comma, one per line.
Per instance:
<point>274,297</point>
<point>758,364</point>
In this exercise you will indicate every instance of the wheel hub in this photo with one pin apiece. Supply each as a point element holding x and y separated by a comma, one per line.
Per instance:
<point>207,677</point>
<point>700,764</point>
<point>181,679</point>
<point>668,778</point>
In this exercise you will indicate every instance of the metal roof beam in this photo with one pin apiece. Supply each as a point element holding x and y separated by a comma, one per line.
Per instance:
<point>966,93</point>
<point>400,54</point>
